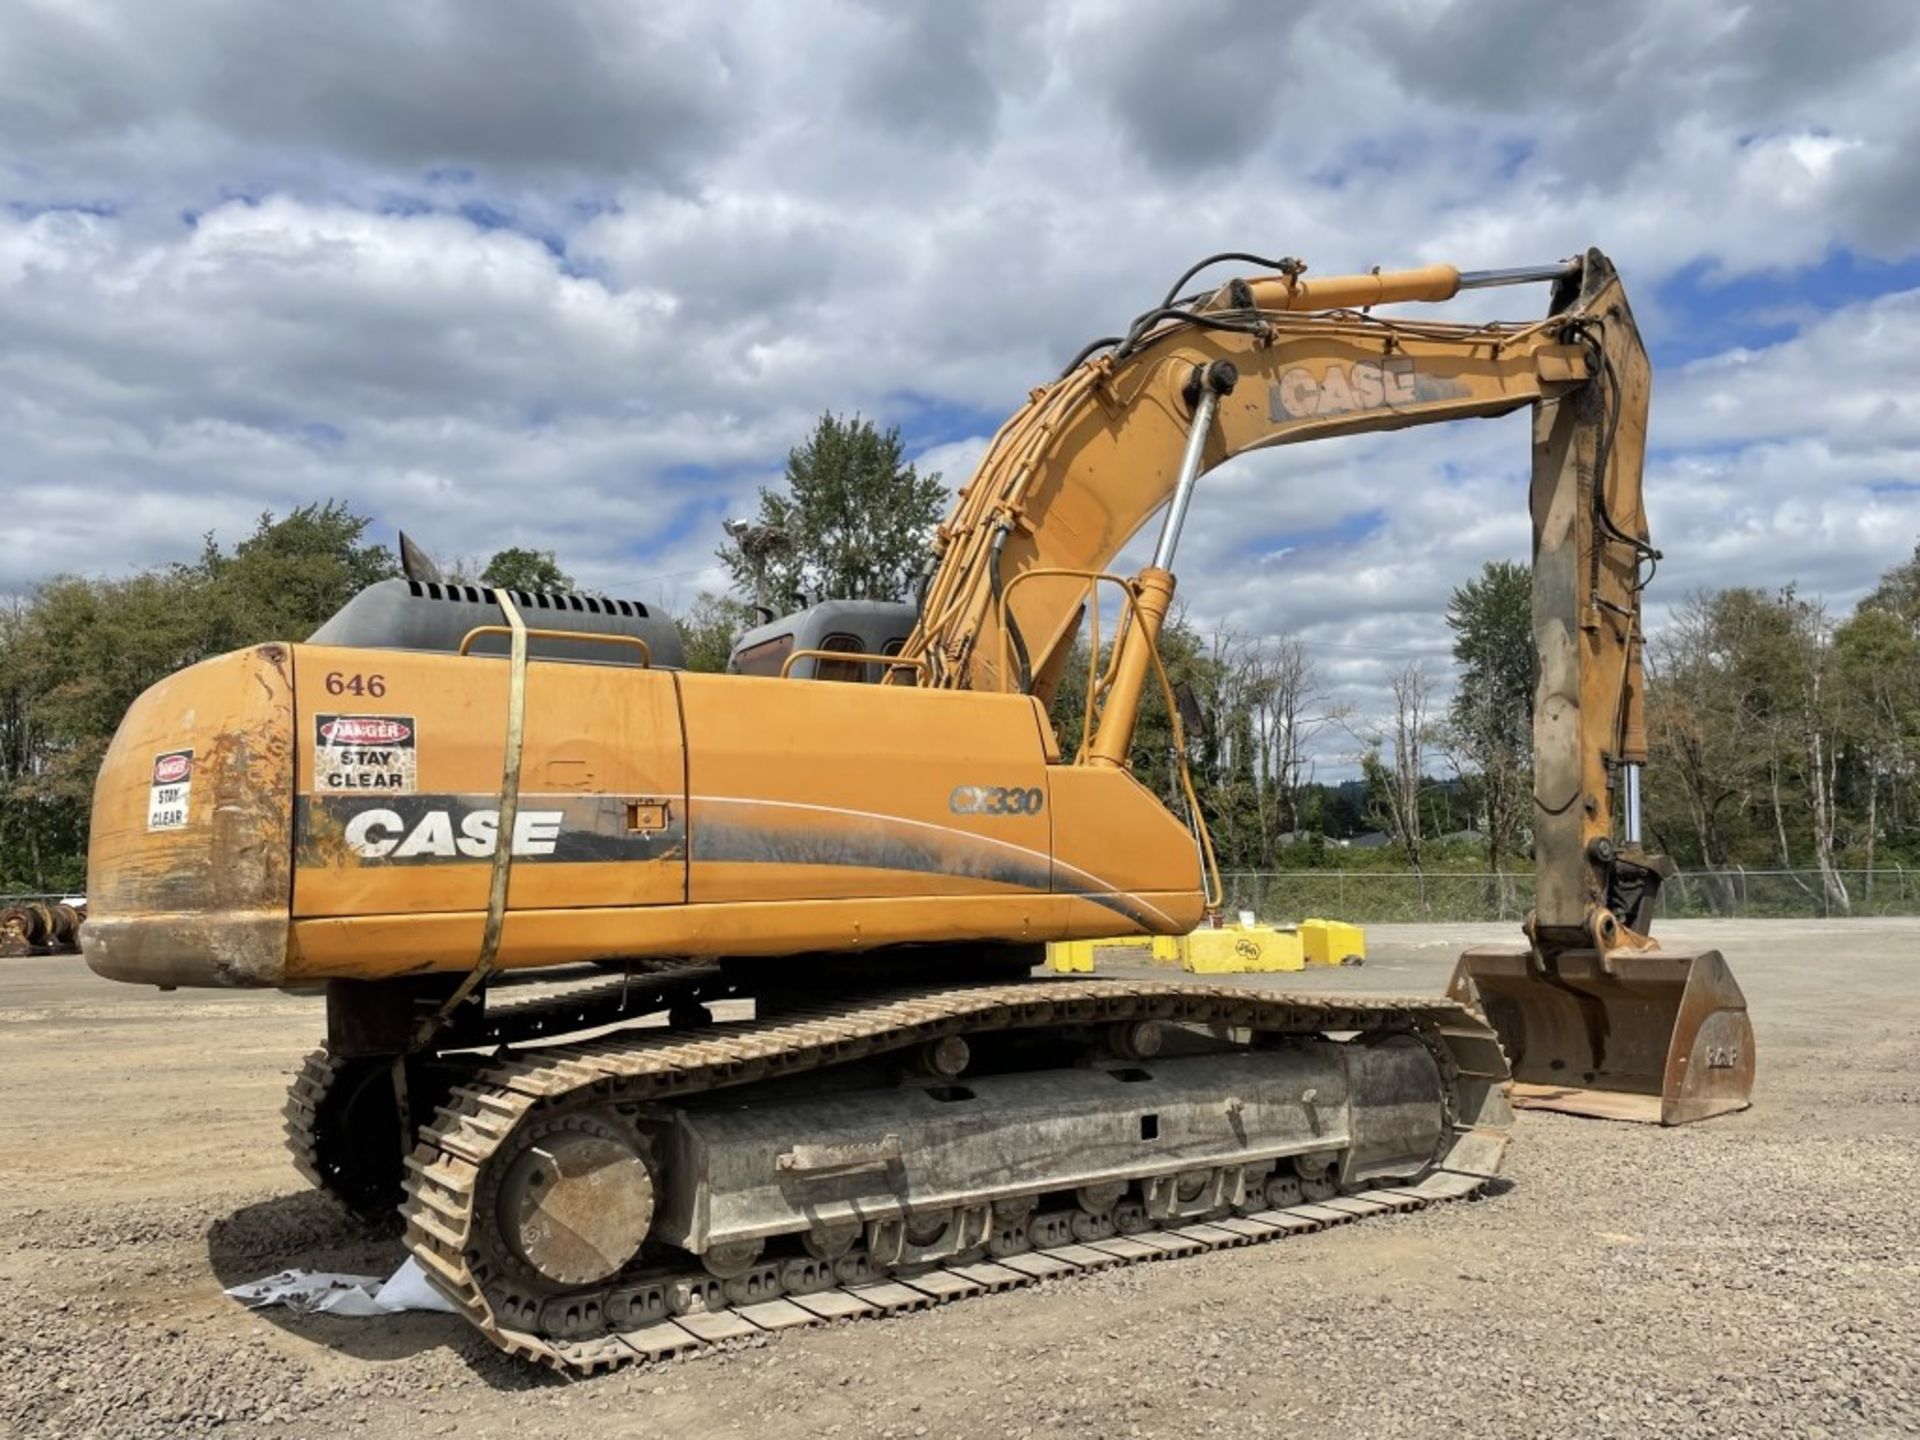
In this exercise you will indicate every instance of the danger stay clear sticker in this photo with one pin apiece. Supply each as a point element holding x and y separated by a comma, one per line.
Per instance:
<point>365,755</point>
<point>171,787</point>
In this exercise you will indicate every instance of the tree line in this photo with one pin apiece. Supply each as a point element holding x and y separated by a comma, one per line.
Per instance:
<point>1784,737</point>
<point>1780,737</point>
<point>77,651</point>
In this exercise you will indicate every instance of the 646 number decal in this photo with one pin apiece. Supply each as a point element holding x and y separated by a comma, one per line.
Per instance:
<point>996,800</point>
<point>339,683</point>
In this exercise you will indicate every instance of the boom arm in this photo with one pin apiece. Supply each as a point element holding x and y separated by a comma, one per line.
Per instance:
<point>1075,473</point>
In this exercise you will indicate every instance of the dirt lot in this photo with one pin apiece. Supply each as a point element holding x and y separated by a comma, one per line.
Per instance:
<point>1757,1274</point>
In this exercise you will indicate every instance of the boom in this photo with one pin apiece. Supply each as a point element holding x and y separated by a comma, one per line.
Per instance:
<point>1069,480</point>
<point>1136,420</point>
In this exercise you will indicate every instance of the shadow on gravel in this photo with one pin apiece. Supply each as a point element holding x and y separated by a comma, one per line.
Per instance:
<point>305,1231</point>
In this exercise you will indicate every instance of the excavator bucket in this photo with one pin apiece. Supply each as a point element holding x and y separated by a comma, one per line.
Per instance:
<point>1656,1036</point>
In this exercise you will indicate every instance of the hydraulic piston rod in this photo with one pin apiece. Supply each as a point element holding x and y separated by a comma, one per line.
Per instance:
<point>1216,380</point>
<point>1521,275</point>
<point>1154,586</point>
<point>1631,821</point>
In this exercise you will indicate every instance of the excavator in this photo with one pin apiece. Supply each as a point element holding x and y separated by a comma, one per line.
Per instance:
<point>814,1073</point>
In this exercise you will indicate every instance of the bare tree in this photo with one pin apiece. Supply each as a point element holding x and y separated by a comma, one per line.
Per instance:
<point>1396,786</point>
<point>1288,708</point>
<point>1819,737</point>
<point>1489,729</point>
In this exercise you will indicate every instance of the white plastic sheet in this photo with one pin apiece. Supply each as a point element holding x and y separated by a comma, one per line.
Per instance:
<point>323,1292</point>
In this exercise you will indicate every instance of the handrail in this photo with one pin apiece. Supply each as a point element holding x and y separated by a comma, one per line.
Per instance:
<point>1090,580</point>
<point>594,637</point>
<point>1210,866</point>
<point>862,657</point>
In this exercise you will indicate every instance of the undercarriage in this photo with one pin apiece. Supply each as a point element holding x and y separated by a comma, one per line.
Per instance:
<point>660,1186</point>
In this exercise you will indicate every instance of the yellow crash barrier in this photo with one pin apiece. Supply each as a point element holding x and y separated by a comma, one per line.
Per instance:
<point>1230,950</point>
<point>1071,957</point>
<point>1329,942</point>
<point>1242,948</point>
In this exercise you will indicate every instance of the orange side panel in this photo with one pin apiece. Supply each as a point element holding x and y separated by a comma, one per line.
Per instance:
<point>1136,866</point>
<point>398,792</point>
<point>187,866</point>
<point>362,948</point>
<point>820,791</point>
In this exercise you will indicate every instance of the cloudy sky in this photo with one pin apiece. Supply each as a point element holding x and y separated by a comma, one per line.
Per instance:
<point>576,275</point>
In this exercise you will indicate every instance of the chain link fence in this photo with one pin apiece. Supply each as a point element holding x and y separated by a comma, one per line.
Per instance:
<point>1383,896</point>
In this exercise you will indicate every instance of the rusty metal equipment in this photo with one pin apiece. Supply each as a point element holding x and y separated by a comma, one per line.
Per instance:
<point>41,927</point>
<point>1598,1017</point>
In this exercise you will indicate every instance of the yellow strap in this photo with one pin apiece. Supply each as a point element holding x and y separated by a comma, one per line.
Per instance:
<point>509,817</point>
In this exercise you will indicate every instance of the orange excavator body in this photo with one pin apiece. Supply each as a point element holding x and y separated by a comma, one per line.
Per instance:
<point>662,813</point>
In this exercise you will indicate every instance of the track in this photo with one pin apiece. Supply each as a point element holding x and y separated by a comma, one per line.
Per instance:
<point>651,1314</point>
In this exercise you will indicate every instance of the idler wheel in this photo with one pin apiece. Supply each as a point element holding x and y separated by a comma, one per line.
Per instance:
<point>1009,1234</point>
<point>1088,1226</point>
<point>946,1058</point>
<point>1102,1197</point>
<point>830,1242</point>
<point>576,1204</point>
<point>1283,1190</point>
<point>1318,1178</point>
<point>731,1260</point>
<point>928,1227</point>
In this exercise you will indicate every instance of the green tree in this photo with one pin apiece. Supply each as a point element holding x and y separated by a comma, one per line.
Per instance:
<point>76,653</point>
<point>854,523</point>
<point>520,569</point>
<point>1898,592</point>
<point>709,629</point>
<point>287,577</point>
<point>1703,762</point>
<point>1878,659</point>
<point>1490,719</point>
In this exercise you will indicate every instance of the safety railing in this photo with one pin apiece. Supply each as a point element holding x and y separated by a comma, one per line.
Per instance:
<point>850,657</point>
<point>1099,678</point>
<point>533,632</point>
<point>1100,682</point>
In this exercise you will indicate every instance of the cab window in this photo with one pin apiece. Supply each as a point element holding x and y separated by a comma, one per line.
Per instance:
<point>853,670</point>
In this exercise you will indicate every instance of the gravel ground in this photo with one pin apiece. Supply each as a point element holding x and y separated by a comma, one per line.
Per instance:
<point>1754,1275</point>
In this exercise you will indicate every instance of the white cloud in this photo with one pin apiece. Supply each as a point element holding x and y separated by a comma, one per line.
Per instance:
<point>688,229</point>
